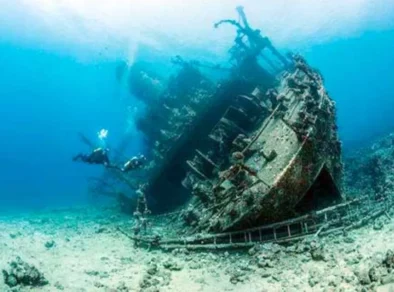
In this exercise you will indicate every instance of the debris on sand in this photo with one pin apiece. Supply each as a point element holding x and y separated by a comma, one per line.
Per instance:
<point>21,273</point>
<point>49,244</point>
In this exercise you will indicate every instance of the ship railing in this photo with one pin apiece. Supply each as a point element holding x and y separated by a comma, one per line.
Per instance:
<point>337,218</point>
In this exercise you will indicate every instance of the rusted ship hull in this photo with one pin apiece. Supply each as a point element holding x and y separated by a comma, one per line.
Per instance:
<point>257,148</point>
<point>302,159</point>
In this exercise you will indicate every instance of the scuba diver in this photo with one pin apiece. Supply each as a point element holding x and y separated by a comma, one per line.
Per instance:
<point>134,163</point>
<point>100,156</point>
<point>97,156</point>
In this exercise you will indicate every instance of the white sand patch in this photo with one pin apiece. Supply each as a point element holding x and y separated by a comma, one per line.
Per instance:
<point>89,255</point>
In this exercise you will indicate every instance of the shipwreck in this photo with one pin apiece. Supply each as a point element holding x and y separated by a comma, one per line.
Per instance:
<point>255,147</point>
<point>242,153</point>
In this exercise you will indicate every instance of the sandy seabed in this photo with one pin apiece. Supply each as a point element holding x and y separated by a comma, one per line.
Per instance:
<point>81,250</point>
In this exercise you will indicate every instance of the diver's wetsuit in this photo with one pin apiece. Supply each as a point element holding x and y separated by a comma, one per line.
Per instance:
<point>98,156</point>
<point>134,163</point>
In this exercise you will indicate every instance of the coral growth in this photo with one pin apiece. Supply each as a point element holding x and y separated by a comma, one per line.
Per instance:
<point>21,273</point>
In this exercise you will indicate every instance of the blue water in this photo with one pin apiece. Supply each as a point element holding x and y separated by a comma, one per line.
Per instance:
<point>46,100</point>
<point>48,96</point>
<point>359,77</point>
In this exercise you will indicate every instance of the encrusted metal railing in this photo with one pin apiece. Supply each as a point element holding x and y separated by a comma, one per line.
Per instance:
<point>341,217</point>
